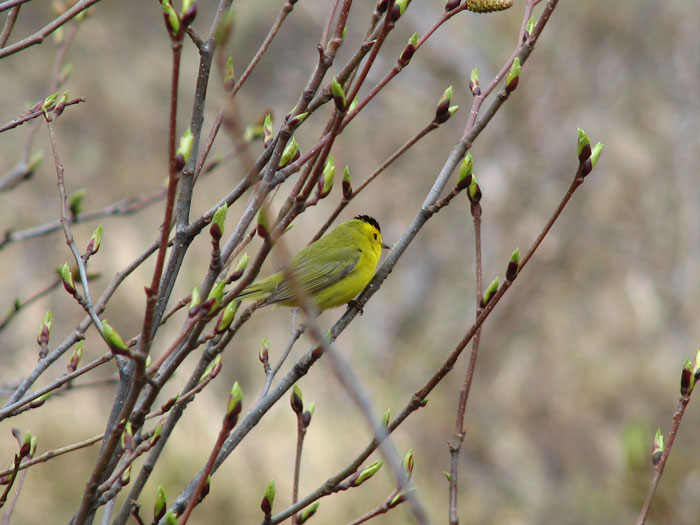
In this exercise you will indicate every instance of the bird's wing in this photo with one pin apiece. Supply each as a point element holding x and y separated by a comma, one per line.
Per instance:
<point>317,273</point>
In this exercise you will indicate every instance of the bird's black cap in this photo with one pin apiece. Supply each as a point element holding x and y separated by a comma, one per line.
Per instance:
<point>369,220</point>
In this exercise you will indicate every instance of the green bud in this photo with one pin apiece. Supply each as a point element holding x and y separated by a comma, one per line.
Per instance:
<point>309,511</point>
<point>513,265</point>
<point>338,95</point>
<point>75,202</point>
<point>408,51</point>
<point>530,27</point>
<point>47,321</point>
<point>447,475</point>
<point>490,291</point>
<point>697,362</point>
<point>75,357</point>
<point>160,505</point>
<point>369,471</point>
<point>184,149</point>
<point>215,363</point>
<point>67,276</point>
<point>226,317</point>
<point>400,498</point>
<point>216,293</point>
<point>298,119</point>
<point>127,441</point>
<point>513,75</point>
<point>95,241</point>
<point>172,21</point>
<point>264,353</point>
<point>114,340</point>
<point>326,182</point>
<point>474,86</point>
<point>595,154</point>
<point>403,4</point>
<point>386,418</point>
<point>289,153</point>
<point>296,401</point>
<point>353,105</point>
<point>220,216</point>
<point>465,171</point>
<point>267,130</point>
<point>263,228</point>
<point>195,298</point>
<point>687,378</point>
<point>583,147</point>
<point>658,447</point>
<point>414,39</point>
<point>170,518</point>
<point>157,432</point>
<point>243,262</point>
<point>408,463</point>
<point>347,183</point>
<point>442,111</point>
<point>229,73</point>
<point>234,403</point>
<point>49,102</point>
<point>268,498</point>
<point>474,190</point>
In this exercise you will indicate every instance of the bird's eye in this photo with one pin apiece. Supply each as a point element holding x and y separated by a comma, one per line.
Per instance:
<point>375,236</point>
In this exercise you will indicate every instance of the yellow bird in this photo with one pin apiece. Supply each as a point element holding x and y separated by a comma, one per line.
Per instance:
<point>331,270</point>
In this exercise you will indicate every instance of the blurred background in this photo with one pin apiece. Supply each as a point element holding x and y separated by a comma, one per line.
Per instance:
<point>579,364</point>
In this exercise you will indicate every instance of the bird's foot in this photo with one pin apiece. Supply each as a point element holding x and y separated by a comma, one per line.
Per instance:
<point>356,304</point>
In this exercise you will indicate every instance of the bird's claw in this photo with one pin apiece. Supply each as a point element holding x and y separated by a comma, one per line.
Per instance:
<point>357,305</point>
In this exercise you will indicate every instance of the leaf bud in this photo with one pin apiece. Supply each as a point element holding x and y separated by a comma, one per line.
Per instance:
<point>172,21</point>
<point>513,265</point>
<point>595,154</point>
<point>513,75</point>
<point>658,447</point>
<point>226,316</point>
<point>75,357</point>
<point>452,4</point>
<point>184,149</point>
<point>290,153</point>
<point>325,183</point>
<point>347,184</point>
<point>442,112</point>
<point>296,401</point>
<point>474,190</point>
<point>45,329</point>
<point>338,94</point>
<point>189,11</point>
<point>113,339</point>
<point>309,511</point>
<point>687,378</point>
<point>160,506</point>
<point>229,75</point>
<point>235,405</point>
<point>369,471</point>
<point>583,145</point>
<point>217,222</point>
<point>267,130</point>
<point>216,293</point>
<point>408,463</point>
<point>268,498</point>
<point>529,28</point>
<point>264,353</point>
<point>489,293</point>
<point>408,51</point>
<point>474,86</point>
<point>67,277</point>
<point>465,172</point>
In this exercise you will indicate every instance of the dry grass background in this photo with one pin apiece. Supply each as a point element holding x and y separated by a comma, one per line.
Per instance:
<point>579,364</point>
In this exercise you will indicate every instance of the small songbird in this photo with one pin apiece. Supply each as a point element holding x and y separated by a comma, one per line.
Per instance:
<point>331,270</point>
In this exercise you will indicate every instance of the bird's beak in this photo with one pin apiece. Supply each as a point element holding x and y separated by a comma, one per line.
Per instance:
<point>386,247</point>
